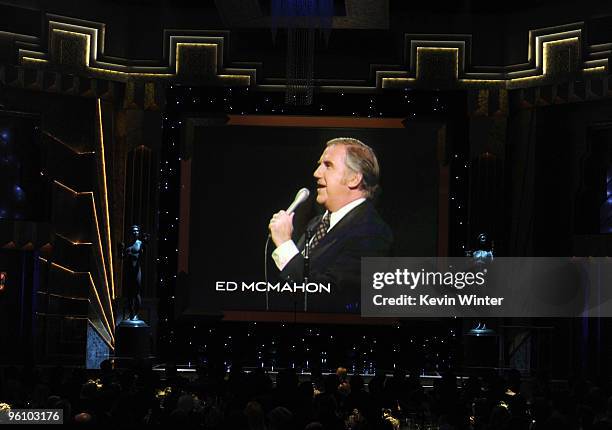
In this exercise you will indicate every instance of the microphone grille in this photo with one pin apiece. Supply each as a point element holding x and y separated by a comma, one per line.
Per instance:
<point>302,194</point>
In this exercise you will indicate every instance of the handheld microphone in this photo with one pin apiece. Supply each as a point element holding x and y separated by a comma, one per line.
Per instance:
<point>300,198</point>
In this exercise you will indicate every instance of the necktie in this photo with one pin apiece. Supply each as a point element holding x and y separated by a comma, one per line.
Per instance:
<point>321,231</point>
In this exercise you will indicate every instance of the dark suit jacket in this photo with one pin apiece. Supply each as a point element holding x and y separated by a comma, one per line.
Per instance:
<point>337,257</point>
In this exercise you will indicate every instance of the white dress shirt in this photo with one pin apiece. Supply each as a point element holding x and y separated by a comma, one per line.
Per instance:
<point>287,250</point>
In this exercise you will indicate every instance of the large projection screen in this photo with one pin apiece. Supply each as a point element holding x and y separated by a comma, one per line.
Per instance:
<point>241,175</point>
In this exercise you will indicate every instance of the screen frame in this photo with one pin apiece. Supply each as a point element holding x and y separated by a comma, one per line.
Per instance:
<point>188,138</point>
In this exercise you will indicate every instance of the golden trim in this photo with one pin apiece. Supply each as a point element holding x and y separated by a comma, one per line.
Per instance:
<point>60,141</point>
<point>72,241</point>
<point>131,74</point>
<point>388,81</point>
<point>539,42</point>
<point>55,181</point>
<point>34,60</point>
<point>527,79</point>
<point>105,195</point>
<point>594,69</point>
<point>501,83</point>
<point>93,204</point>
<point>482,81</point>
<point>235,77</point>
<point>108,326</point>
<point>63,297</point>
<point>104,269</point>
<point>68,317</point>
<point>107,70</point>
<point>65,269</point>
<point>95,290</point>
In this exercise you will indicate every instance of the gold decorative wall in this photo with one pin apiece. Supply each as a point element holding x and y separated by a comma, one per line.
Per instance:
<point>559,64</point>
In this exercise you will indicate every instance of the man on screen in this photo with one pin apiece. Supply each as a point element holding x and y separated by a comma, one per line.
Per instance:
<point>350,228</point>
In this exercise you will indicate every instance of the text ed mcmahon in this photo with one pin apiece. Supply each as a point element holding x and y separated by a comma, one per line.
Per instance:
<point>265,287</point>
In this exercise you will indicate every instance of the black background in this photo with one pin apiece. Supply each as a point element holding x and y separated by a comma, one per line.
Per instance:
<point>242,175</point>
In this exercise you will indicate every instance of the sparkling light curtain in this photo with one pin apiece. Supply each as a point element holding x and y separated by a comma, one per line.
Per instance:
<point>301,19</point>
